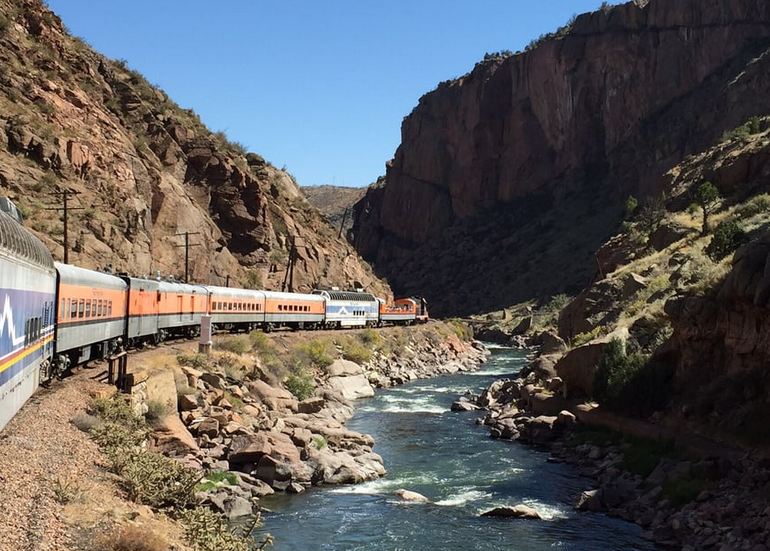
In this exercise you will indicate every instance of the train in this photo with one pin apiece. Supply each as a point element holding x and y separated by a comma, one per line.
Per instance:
<point>55,316</point>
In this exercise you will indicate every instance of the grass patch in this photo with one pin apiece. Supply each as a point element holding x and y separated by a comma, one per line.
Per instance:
<point>64,491</point>
<point>463,331</point>
<point>196,361</point>
<point>236,402</point>
<point>319,442</point>
<point>240,344</point>
<point>586,337</point>
<point>216,480</point>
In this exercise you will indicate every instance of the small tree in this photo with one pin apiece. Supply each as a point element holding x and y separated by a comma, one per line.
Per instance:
<point>708,197</point>
<point>652,214</point>
<point>631,205</point>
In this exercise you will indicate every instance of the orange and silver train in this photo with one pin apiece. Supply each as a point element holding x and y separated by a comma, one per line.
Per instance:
<point>55,316</point>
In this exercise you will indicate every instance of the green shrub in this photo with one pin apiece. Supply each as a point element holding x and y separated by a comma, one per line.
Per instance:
<point>237,345</point>
<point>728,236</point>
<point>196,361</point>
<point>630,383</point>
<point>207,530</point>
<point>157,481</point>
<point>370,337</point>
<point>300,384</point>
<point>355,351</point>
<point>583,338</point>
<point>683,490</point>
<point>315,353</point>
<point>319,442</point>
<point>156,409</point>
<point>253,280</point>
<point>260,342</point>
<point>631,205</point>
<point>642,455</point>
<point>5,24</point>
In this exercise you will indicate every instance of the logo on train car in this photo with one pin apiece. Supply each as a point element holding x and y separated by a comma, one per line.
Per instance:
<point>9,340</point>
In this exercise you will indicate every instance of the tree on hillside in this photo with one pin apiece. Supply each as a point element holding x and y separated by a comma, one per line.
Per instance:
<point>708,198</point>
<point>652,213</point>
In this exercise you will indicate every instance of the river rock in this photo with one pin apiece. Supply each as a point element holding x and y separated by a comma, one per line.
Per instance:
<point>352,387</point>
<point>516,511</point>
<point>464,405</point>
<point>344,368</point>
<point>410,496</point>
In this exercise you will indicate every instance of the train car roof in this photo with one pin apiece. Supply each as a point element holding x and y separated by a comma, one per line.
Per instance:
<point>292,296</point>
<point>346,295</point>
<point>173,286</point>
<point>19,242</point>
<point>75,275</point>
<point>235,292</point>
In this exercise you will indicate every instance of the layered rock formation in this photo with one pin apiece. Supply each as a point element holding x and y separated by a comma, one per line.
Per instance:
<point>146,170</point>
<point>504,183</point>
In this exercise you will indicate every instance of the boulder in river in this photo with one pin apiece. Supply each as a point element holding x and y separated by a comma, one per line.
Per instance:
<point>410,496</point>
<point>516,511</point>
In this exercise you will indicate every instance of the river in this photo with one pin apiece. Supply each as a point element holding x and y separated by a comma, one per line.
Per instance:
<point>448,458</point>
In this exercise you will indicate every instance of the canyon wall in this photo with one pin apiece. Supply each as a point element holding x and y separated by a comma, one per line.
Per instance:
<point>535,151</point>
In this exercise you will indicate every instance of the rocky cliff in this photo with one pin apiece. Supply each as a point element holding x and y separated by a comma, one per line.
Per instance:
<point>335,203</point>
<point>514,170</point>
<point>145,170</point>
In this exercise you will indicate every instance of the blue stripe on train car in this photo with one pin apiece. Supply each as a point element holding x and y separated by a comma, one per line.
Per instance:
<point>16,350</point>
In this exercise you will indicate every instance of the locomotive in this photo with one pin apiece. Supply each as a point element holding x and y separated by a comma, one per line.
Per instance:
<point>55,316</point>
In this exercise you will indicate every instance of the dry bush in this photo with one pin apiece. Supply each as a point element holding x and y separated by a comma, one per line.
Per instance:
<point>132,538</point>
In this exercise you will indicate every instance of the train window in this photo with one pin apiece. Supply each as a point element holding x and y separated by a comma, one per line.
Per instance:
<point>81,307</point>
<point>109,308</point>
<point>99,308</point>
<point>73,308</point>
<point>280,307</point>
<point>88,308</point>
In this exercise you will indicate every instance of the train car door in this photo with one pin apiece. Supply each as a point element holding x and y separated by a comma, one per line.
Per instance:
<point>192,307</point>
<point>180,307</point>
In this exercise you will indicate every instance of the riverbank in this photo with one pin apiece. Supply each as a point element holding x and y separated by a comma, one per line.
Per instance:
<point>263,414</point>
<point>686,490</point>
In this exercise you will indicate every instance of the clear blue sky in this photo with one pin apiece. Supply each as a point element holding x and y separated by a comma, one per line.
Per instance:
<point>320,87</point>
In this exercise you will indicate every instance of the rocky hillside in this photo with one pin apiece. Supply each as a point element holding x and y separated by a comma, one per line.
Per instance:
<point>145,170</point>
<point>518,169</point>
<point>333,201</point>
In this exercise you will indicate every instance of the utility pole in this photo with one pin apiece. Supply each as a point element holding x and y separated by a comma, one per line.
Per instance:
<point>344,219</point>
<point>288,280</point>
<point>65,194</point>
<point>187,246</point>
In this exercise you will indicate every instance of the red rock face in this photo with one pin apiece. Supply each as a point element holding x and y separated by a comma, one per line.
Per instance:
<point>607,109</point>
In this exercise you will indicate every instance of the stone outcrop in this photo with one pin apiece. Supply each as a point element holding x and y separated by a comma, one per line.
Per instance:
<point>514,168</point>
<point>145,170</point>
<point>720,345</point>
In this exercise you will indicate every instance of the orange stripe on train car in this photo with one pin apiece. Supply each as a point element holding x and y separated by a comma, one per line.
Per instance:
<point>69,293</point>
<point>271,306</point>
